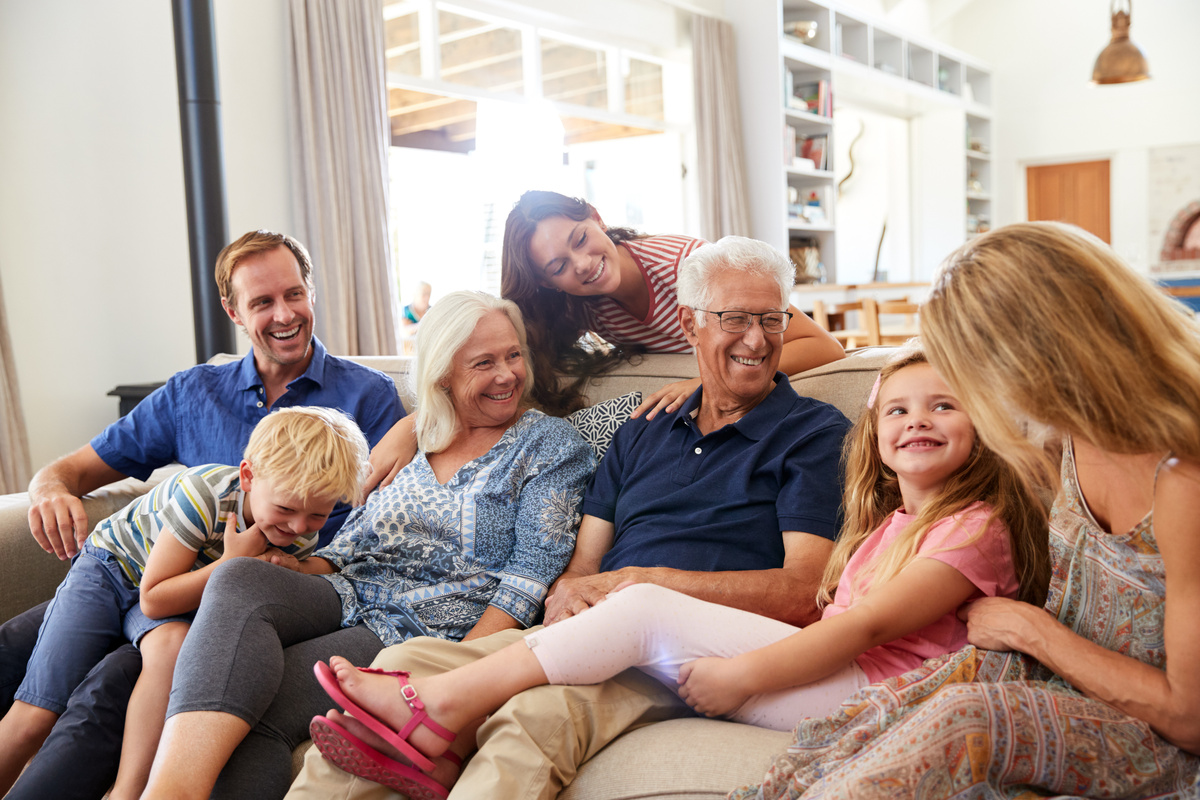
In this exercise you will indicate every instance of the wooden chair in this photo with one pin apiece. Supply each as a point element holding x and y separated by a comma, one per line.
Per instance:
<point>833,319</point>
<point>902,332</point>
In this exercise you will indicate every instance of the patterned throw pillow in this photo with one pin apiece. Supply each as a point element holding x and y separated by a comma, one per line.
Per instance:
<point>597,424</point>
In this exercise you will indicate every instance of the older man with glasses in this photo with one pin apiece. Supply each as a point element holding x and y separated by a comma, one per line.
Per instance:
<point>734,498</point>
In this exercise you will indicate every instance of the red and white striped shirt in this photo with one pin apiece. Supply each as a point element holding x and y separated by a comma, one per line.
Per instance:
<point>658,258</point>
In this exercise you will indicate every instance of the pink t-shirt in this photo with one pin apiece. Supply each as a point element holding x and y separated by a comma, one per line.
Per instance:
<point>986,562</point>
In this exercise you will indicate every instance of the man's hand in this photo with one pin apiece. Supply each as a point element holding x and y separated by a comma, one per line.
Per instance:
<point>713,686</point>
<point>572,594</point>
<point>58,522</point>
<point>56,516</point>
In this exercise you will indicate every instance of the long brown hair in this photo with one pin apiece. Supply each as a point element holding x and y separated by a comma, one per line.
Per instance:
<point>1041,321</point>
<point>555,321</point>
<point>873,492</point>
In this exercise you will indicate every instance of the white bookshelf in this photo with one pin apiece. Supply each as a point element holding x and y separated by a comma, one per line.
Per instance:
<point>864,61</point>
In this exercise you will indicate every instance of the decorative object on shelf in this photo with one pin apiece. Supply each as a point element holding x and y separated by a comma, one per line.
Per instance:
<point>803,29</point>
<point>814,210</point>
<point>1121,61</point>
<point>862,128</point>
<point>806,258</point>
<point>973,182</point>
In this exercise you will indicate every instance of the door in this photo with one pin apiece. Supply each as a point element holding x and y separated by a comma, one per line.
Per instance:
<point>1075,193</point>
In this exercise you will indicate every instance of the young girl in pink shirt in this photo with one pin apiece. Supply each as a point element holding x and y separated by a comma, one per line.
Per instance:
<point>934,519</point>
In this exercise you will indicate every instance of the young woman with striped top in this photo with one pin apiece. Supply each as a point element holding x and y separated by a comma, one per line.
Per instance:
<point>573,279</point>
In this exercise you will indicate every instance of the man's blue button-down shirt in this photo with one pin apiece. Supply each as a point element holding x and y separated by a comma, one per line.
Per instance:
<point>204,415</point>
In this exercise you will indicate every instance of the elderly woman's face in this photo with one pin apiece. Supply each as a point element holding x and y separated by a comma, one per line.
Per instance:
<point>488,375</point>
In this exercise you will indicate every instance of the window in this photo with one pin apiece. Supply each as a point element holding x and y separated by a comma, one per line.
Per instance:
<point>483,108</point>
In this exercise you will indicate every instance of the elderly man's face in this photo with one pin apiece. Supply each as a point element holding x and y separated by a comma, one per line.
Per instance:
<point>736,368</point>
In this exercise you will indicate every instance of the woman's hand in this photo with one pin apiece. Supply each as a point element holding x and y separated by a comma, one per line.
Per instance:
<point>273,555</point>
<point>667,399</point>
<point>713,686</point>
<point>393,453</point>
<point>998,623</point>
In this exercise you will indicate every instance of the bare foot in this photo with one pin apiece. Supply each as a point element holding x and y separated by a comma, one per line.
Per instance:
<point>444,772</point>
<point>380,695</point>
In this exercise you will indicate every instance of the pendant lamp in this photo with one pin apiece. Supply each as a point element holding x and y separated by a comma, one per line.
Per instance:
<point>1121,61</point>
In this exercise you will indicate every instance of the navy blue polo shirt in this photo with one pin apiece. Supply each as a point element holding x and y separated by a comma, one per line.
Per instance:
<point>204,415</point>
<point>687,501</point>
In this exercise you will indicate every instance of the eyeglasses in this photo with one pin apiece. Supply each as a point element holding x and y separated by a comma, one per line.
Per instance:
<point>740,321</point>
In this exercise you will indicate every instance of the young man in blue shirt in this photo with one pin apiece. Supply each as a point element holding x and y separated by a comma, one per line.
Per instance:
<point>201,415</point>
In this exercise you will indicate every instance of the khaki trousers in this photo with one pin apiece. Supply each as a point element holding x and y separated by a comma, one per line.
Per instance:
<point>532,747</point>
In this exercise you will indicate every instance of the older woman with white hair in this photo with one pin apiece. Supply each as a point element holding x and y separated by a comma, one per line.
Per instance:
<point>465,542</point>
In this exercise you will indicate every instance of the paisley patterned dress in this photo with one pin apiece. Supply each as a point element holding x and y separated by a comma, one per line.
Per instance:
<point>984,724</point>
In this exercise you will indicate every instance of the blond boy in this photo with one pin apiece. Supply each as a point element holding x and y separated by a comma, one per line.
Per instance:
<point>142,572</point>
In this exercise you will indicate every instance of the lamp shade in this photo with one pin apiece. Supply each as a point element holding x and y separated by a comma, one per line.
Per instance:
<point>1121,61</point>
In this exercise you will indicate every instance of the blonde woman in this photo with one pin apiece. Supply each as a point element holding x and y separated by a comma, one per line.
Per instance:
<point>1041,326</point>
<point>464,543</point>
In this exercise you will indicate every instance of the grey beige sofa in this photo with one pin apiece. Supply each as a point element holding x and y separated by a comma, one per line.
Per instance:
<point>684,759</point>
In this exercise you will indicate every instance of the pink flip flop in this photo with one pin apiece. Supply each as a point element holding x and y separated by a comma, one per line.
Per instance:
<point>397,739</point>
<point>351,754</point>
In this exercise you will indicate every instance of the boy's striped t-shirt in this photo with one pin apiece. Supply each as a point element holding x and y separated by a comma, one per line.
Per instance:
<point>194,506</point>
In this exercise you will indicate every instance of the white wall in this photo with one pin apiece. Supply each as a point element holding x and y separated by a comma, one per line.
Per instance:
<point>93,227</point>
<point>1047,111</point>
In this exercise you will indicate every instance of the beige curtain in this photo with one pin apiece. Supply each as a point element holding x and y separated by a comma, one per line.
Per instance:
<point>14,447</point>
<point>724,207</point>
<point>340,136</point>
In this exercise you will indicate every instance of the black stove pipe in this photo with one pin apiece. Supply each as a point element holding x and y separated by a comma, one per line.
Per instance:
<point>203,169</point>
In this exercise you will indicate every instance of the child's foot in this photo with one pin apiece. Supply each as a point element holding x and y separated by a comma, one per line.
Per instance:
<point>445,771</point>
<point>379,694</point>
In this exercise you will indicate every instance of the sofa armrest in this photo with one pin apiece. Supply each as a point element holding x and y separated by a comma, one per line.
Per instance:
<point>30,575</point>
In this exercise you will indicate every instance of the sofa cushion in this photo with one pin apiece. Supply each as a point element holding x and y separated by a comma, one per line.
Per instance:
<point>598,423</point>
<point>681,759</point>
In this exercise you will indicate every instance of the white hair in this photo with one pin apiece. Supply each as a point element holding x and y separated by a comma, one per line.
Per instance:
<point>444,330</point>
<point>698,271</point>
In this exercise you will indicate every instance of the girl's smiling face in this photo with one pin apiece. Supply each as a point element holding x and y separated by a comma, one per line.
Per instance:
<point>924,435</point>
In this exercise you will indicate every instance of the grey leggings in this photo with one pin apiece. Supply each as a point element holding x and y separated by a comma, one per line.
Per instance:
<point>250,653</point>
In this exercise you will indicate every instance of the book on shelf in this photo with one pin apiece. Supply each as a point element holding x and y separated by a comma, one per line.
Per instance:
<point>811,96</point>
<point>815,148</point>
<point>789,145</point>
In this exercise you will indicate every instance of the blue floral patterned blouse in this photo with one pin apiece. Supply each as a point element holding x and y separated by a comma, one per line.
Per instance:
<point>425,559</point>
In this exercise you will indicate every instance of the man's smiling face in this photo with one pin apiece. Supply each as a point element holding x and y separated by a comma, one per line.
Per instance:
<point>274,305</point>
<point>736,368</point>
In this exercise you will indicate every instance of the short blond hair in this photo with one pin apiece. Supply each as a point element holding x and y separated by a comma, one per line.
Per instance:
<point>308,451</point>
<point>253,243</point>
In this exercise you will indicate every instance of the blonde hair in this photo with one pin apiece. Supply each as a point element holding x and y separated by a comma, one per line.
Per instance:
<point>1041,321</point>
<point>309,451</point>
<point>873,492</point>
<point>443,332</point>
<point>253,243</point>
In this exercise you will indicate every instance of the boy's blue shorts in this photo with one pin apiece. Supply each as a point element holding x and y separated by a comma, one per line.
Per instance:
<point>94,610</point>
